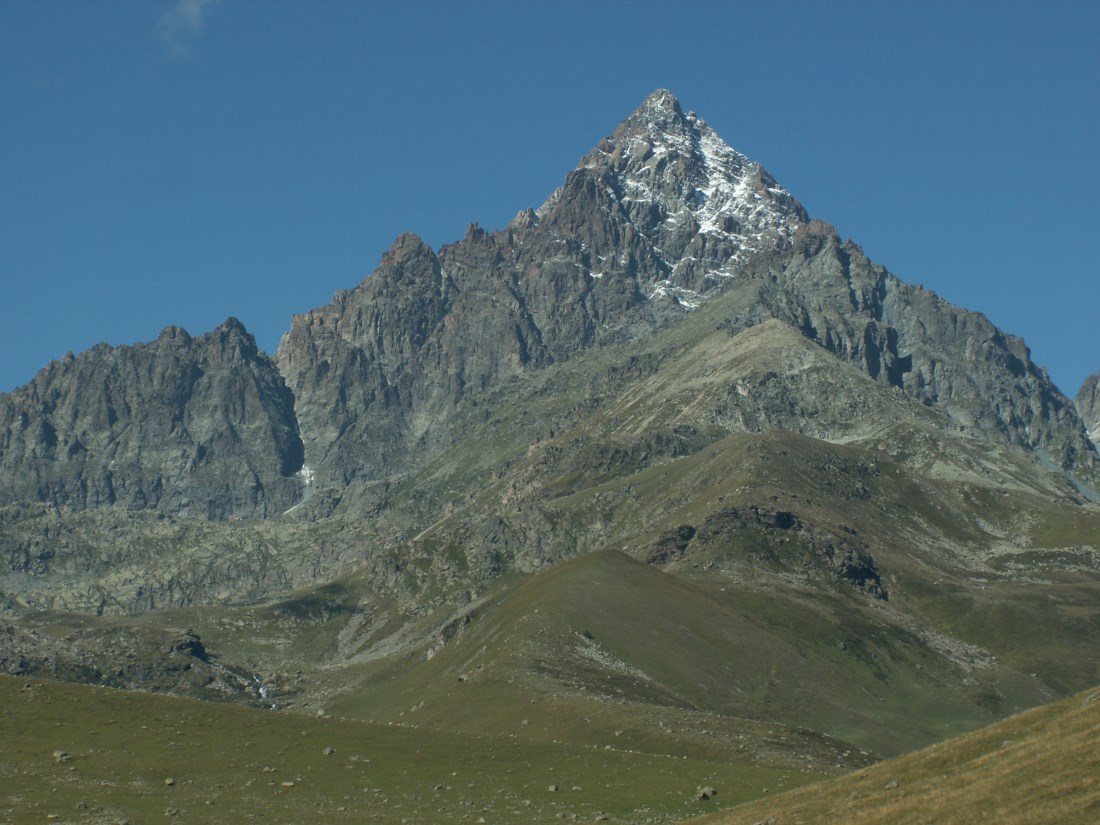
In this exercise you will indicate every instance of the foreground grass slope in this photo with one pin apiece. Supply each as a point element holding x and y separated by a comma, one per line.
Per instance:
<point>1041,767</point>
<point>80,754</point>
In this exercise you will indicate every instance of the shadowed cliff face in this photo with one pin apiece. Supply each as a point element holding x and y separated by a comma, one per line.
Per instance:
<point>1088,405</point>
<point>377,373</point>
<point>201,426</point>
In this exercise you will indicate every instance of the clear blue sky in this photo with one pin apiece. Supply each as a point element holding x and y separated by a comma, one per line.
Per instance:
<point>180,161</point>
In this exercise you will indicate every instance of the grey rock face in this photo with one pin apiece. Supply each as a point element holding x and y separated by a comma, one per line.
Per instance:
<point>1088,405</point>
<point>184,425</point>
<point>656,220</point>
<point>377,372</point>
<point>689,209</point>
<point>905,336</point>
<point>659,211</point>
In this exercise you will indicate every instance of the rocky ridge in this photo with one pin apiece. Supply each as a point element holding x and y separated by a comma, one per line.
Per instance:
<point>658,219</point>
<point>201,426</point>
<point>172,661</point>
<point>660,210</point>
<point>904,336</point>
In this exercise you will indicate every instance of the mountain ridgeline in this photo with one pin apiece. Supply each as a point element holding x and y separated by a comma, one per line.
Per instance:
<point>662,468</point>
<point>201,426</point>
<point>658,219</point>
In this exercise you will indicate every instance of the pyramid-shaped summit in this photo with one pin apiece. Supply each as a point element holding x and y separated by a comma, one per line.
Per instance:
<point>705,208</point>
<point>658,217</point>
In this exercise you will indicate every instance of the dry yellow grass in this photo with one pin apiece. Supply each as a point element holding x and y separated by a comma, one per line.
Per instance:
<point>1041,767</point>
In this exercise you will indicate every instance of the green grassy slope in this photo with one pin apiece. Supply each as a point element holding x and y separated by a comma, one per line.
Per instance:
<point>79,754</point>
<point>605,635</point>
<point>1041,767</point>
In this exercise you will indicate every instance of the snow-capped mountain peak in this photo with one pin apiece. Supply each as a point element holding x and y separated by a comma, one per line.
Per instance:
<point>678,162</point>
<point>705,207</point>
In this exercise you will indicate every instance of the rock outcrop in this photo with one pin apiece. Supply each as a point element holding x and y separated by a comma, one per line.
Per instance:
<point>156,660</point>
<point>201,426</point>
<point>1088,405</point>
